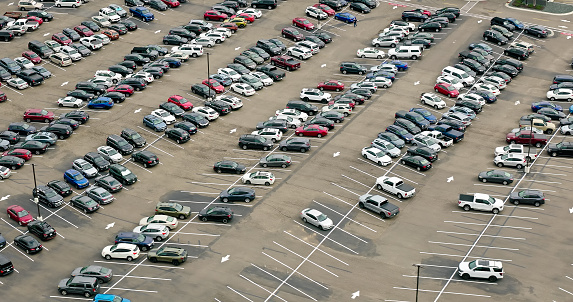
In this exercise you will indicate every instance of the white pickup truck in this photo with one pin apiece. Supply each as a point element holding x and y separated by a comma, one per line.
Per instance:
<point>396,186</point>
<point>443,140</point>
<point>517,149</point>
<point>29,25</point>
<point>480,202</point>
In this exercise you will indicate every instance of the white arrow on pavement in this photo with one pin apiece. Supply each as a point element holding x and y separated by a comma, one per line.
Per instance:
<point>233,130</point>
<point>323,65</point>
<point>137,110</point>
<point>46,34</point>
<point>561,20</point>
<point>568,37</point>
<point>417,83</point>
<point>570,210</point>
<point>237,48</point>
<point>226,258</point>
<point>4,197</point>
<point>10,3</point>
<point>336,154</point>
<point>451,178</point>
<point>355,294</point>
<point>64,83</point>
<point>109,226</point>
<point>516,103</point>
<point>158,31</point>
<point>395,7</point>
<point>562,26</point>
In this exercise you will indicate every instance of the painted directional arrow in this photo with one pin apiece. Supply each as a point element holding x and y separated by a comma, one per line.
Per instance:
<point>355,294</point>
<point>323,65</point>
<point>233,130</point>
<point>158,31</point>
<point>13,3</point>
<point>4,197</point>
<point>395,7</point>
<point>516,103</point>
<point>46,34</point>
<point>561,20</point>
<point>137,110</point>
<point>417,83</point>
<point>109,226</point>
<point>451,178</point>
<point>64,83</point>
<point>237,48</point>
<point>336,154</point>
<point>479,21</point>
<point>226,258</point>
<point>570,210</point>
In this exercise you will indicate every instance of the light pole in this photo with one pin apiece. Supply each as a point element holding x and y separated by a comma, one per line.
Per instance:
<point>417,278</point>
<point>36,201</point>
<point>208,73</point>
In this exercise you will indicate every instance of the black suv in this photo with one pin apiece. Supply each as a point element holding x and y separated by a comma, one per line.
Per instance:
<point>253,141</point>
<point>120,144</point>
<point>474,56</point>
<point>276,124</point>
<point>61,130</point>
<point>31,77</point>
<point>269,4</point>
<point>146,52</point>
<point>133,137</point>
<point>503,23</point>
<point>513,62</point>
<point>86,286</point>
<point>91,87</point>
<point>517,53</point>
<point>351,67</point>
<point>123,174</point>
<point>221,107</point>
<point>100,163</point>
<point>494,36</point>
<point>334,4</point>
<point>81,116</point>
<point>48,196</point>
<point>147,158</point>
<point>143,242</point>
<point>22,128</point>
<point>137,58</point>
<point>302,106</point>
<point>425,152</point>
<point>414,16</point>
<point>269,47</point>
<point>473,105</point>
<point>6,35</point>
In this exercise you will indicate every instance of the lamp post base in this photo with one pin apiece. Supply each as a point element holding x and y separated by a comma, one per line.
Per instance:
<point>40,218</point>
<point>527,168</point>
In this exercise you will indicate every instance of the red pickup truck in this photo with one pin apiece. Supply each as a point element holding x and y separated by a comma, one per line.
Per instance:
<point>285,62</point>
<point>526,137</point>
<point>14,15</point>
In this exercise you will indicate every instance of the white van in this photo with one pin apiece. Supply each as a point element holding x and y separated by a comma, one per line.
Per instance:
<point>68,3</point>
<point>459,74</point>
<point>405,52</point>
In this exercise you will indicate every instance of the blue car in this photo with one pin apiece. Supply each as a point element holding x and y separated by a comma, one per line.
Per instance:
<point>76,178</point>
<point>142,13</point>
<point>426,114</point>
<point>101,102</point>
<point>345,17</point>
<point>402,66</point>
<point>515,23</point>
<point>545,104</point>
<point>237,194</point>
<point>173,62</point>
<point>571,109</point>
<point>145,243</point>
<point>481,46</point>
<point>401,133</point>
<point>381,73</point>
<point>222,79</point>
<point>109,298</point>
<point>486,95</point>
<point>154,123</point>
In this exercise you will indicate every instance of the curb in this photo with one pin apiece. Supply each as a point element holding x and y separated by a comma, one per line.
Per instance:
<point>534,11</point>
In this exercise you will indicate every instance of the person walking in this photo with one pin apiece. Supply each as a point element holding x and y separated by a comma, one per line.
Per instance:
<point>355,20</point>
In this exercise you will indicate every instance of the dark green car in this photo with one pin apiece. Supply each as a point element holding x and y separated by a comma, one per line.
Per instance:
<point>253,56</point>
<point>174,255</point>
<point>122,174</point>
<point>173,209</point>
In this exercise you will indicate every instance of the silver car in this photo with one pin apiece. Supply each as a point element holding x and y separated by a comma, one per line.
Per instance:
<point>85,168</point>
<point>386,146</point>
<point>44,137</point>
<point>156,231</point>
<point>100,195</point>
<point>385,42</point>
<point>316,218</point>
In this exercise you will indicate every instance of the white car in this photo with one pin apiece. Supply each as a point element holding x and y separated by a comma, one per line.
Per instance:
<point>146,76</point>
<point>101,21</point>
<point>243,88</point>
<point>496,81</point>
<point>17,83</point>
<point>381,82</point>
<point>560,94</point>
<point>106,82</point>
<point>410,26</point>
<point>565,129</point>
<point>394,34</point>
<point>385,42</point>
<point>291,122</point>
<point>273,134</point>
<point>316,218</point>
<point>370,52</point>
<point>5,172</point>
<point>178,55</point>
<point>223,30</point>
<point>299,52</point>
<point>251,11</point>
<point>265,79</point>
<point>443,140</point>
<point>126,251</point>
<point>85,168</point>
<point>311,46</point>
<point>24,62</point>
<point>164,115</point>
<point>114,77</point>
<point>473,97</point>
<point>189,49</point>
<point>53,45</point>
<point>202,23</point>
<point>313,94</point>
<point>259,178</point>
<point>230,100</point>
<point>510,160</point>
<point>315,12</point>
<point>293,113</point>
<point>102,38</point>
<point>110,154</point>
<point>156,231</point>
<point>425,141</point>
<point>386,147</point>
<point>342,108</point>
<point>215,36</point>
<point>480,268</point>
<point>385,67</point>
<point>110,14</point>
<point>92,43</point>
<point>373,87</point>
<point>487,87</point>
<point>376,155</point>
<point>450,80</point>
<point>70,101</point>
<point>235,76</point>
<point>401,29</point>
<point>206,112</point>
<point>168,221</point>
<point>203,41</point>
<point>432,100</point>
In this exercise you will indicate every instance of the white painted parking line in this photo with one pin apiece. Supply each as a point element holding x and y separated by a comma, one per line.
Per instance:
<point>543,181</point>
<point>135,164</point>
<point>348,219</point>
<point>186,244</point>
<point>238,293</point>
<point>252,282</point>
<point>556,166</point>
<point>485,246</point>
<point>340,244</point>
<point>200,234</point>
<point>73,298</point>
<point>356,181</point>
<point>209,183</point>
<point>318,249</point>
<point>208,223</point>
<point>149,278</point>
<point>432,278</point>
<point>499,215</point>
<point>135,264</point>
<point>493,225</point>
<point>129,289</point>
<point>164,150</point>
<point>443,292</point>
<point>364,211</point>
<point>242,158</point>
<point>191,192</point>
<point>476,234</point>
<point>215,203</point>
<point>566,291</point>
<point>345,189</point>
<point>283,282</point>
<point>568,277</point>
<point>433,265</point>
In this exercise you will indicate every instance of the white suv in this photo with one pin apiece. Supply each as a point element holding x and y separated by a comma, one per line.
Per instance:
<point>483,269</point>
<point>193,50</point>
<point>71,52</point>
<point>313,94</point>
<point>299,52</point>
<point>114,77</point>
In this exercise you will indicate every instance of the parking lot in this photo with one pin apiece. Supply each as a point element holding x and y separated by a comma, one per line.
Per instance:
<point>266,253</point>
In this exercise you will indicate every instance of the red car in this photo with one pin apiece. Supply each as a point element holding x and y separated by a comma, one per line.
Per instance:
<point>248,17</point>
<point>180,101</point>
<point>38,115</point>
<point>331,85</point>
<point>231,26</point>
<point>171,3</point>
<point>17,213</point>
<point>21,153</point>
<point>302,23</point>
<point>214,15</point>
<point>311,130</point>
<point>123,88</point>
<point>111,34</point>
<point>423,11</point>
<point>3,97</point>
<point>34,18</point>
<point>83,31</point>
<point>215,85</point>
<point>447,89</point>
<point>325,8</point>
<point>62,39</point>
<point>32,56</point>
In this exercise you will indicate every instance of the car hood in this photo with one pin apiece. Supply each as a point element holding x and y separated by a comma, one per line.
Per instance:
<point>63,282</point>
<point>464,266</point>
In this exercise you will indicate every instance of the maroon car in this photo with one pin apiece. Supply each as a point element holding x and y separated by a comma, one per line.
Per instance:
<point>18,214</point>
<point>32,56</point>
<point>83,31</point>
<point>332,85</point>
<point>293,34</point>
<point>62,39</point>
<point>38,115</point>
<point>21,153</point>
<point>123,88</point>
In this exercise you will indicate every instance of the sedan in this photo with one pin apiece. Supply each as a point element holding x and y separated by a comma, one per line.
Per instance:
<point>333,85</point>
<point>100,195</point>
<point>259,178</point>
<point>18,214</point>
<point>345,17</point>
<point>560,94</point>
<point>217,213</point>
<point>28,243</point>
<point>109,183</point>
<point>533,197</point>
<point>302,23</point>
<point>552,113</point>
<point>497,176</point>
<point>214,84</point>
<point>376,155</point>
<point>275,160</point>
<point>311,130</point>
<point>34,146</point>
<point>110,154</point>
<point>418,162</point>
<point>535,106</point>
<point>370,53</point>
<point>446,89</point>
<point>316,218</point>
<point>121,251</point>
<point>102,274</point>
<point>237,194</point>
<point>60,187</point>
<point>17,83</point>
<point>84,203</point>
<point>11,162</point>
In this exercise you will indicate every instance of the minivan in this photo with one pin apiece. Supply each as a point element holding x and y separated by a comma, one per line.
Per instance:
<point>40,48</point>
<point>61,59</point>
<point>6,266</point>
<point>405,52</point>
<point>461,75</point>
<point>68,3</point>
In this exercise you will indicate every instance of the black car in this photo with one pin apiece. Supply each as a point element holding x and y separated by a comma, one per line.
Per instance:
<point>222,214</point>
<point>351,67</point>
<point>94,158</point>
<point>430,26</point>
<point>261,52</point>
<point>513,62</point>
<point>133,3</point>
<point>84,51</point>
<point>130,25</point>
<point>84,203</point>
<point>172,108</point>
<point>474,65</point>
<point>91,25</point>
<point>418,162</point>
<point>48,196</point>
<point>186,126</point>
<point>120,144</point>
<point>91,87</point>
<point>414,16</point>
<point>42,229</point>
<point>221,107</point>
<point>123,70</point>
<point>568,85</point>
<point>365,92</point>
<point>72,34</point>
<point>278,43</point>
<point>133,137</point>
<point>423,42</point>
<point>203,90</point>
<point>172,62</point>
<point>502,75</point>
<point>425,152</point>
<point>237,194</point>
<point>275,160</point>
<point>164,66</point>
<point>409,126</point>
<point>109,183</point>
<point>174,40</point>
<point>144,243</point>
<point>120,28</point>
<point>178,135</point>
<point>300,144</point>
<point>28,243</point>
<point>495,36</point>
<point>533,197</point>
<point>160,50</point>
<point>66,121</point>
<point>239,68</point>
<point>61,187</point>
<point>324,122</point>
<point>537,30</point>
<point>196,119</point>
<point>22,128</point>
<point>5,75</point>
<point>444,21</point>
<point>158,5</point>
<point>182,32</point>
<point>473,105</point>
<point>276,124</point>
<point>194,28</point>
<point>117,97</point>
<point>229,166</point>
<point>508,69</point>
<point>243,60</point>
<point>81,94</point>
<point>497,176</point>
<point>130,65</point>
<point>136,83</point>
<point>324,37</point>
<point>154,71</point>
<point>34,146</point>
<point>123,174</point>
<point>334,116</point>
<point>41,14</point>
<point>223,9</point>
<point>137,58</point>
<point>78,115</point>
<point>452,10</point>
<point>315,39</point>
<point>334,4</point>
<point>12,162</point>
<point>552,113</point>
<point>359,99</point>
<point>31,77</point>
<point>103,274</point>
<point>254,141</point>
<point>147,158</point>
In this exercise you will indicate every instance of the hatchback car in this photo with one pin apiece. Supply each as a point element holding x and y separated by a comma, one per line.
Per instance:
<point>275,160</point>
<point>237,194</point>
<point>316,218</point>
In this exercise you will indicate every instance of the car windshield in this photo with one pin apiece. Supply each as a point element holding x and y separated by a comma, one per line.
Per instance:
<point>104,193</point>
<point>91,203</point>
<point>144,11</point>
<point>321,217</point>
<point>23,213</point>
<point>50,193</point>
<point>472,264</point>
<point>450,88</point>
<point>78,177</point>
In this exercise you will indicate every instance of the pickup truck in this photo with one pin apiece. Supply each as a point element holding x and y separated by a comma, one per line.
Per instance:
<point>29,25</point>
<point>13,15</point>
<point>273,72</point>
<point>517,149</point>
<point>526,137</point>
<point>546,127</point>
<point>286,62</point>
<point>396,186</point>
<point>480,202</point>
<point>378,205</point>
<point>443,140</point>
<point>448,131</point>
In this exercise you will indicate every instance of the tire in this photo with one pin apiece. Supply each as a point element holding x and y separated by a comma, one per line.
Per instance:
<point>59,5</point>
<point>418,168</point>
<point>549,131</point>
<point>284,165</point>
<point>153,259</point>
<point>538,145</point>
<point>175,262</point>
<point>265,165</point>
<point>62,137</point>
<point>516,202</point>
<point>467,208</point>
<point>399,195</point>
<point>73,6</point>
<point>145,165</point>
<point>437,29</point>
<point>519,166</point>
<point>107,257</point>
<point>62,105</point>
<point>63,292</point>
<point>207,19</point>
<point>158,238</point>
<point>320,135</point>
<point>87,294</point>
<point>248,182</point>
<point>269,7</point>
<point>303,150</point>
<point>244,147</point>
<point>492,278</point>
<point>495,211</point>
<point>225,199</point>
<point>265,148</point>
<point>484,180</point>
<point>320,227</point>
<point>466,276</point>
<point>247,200</point>
<point>414,57</point>
<point>344,72</point>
